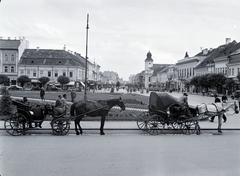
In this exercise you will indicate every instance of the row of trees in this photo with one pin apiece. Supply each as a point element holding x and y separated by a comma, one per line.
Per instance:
<point>25,79</point>
<point>213,80</point>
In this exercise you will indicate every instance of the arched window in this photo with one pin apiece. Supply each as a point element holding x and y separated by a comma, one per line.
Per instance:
<point>12,57</point>
<point>6,57</point>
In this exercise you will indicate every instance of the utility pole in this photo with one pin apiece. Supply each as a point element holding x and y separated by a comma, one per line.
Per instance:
<point>85,90</point>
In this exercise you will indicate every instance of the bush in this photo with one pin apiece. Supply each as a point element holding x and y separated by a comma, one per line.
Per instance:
<point>6,106</point>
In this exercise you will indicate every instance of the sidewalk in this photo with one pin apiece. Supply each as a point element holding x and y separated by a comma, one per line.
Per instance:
<point>232,123</point>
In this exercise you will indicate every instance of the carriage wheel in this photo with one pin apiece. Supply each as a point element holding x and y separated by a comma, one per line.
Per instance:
<point>14,124</point>
<point>60,126</point>
<point>155,125</point>
<point>176,125</point>
<point>142,120</point>
<point>189,127</point>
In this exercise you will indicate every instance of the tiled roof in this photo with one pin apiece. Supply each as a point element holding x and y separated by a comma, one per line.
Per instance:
<point>159,67</point>
<point>49,57</point>
<point>9,44</point>
<point>223,50</point>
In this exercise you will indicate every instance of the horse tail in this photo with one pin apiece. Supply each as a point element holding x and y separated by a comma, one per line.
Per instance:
<point>72,108</point>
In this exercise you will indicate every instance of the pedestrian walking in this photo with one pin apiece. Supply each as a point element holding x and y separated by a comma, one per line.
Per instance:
<point>73,95</point>
<point>42,93</point>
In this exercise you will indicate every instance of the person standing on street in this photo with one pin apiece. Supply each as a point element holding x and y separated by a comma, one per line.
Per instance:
<point>217,100</point>
<point>42,93</point>
<point>73,95</point>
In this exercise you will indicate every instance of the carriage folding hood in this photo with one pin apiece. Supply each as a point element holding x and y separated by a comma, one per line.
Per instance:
<point>161,100</point>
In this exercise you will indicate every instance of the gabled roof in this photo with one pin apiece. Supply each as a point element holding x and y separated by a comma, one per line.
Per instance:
<point>49,57</point>
<point>223,50</point>
<point>9,44</point>
<point>159,67</point>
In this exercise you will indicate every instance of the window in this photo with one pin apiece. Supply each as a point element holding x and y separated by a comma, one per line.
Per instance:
<point>56,74</point>
<point>21,72</point>
<point>6,57</point>
<point>28,71</point>
<point>34,73</point>
<point>41,72</point>
<point>12,58</point>
<point>49,74</point>
<point>12,69</point>
<point>64,73</point>
<point>232,71</point>
<point>71,74</point>
<point>6,69</point>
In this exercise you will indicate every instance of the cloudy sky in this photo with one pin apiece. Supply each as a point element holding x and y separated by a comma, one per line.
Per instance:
<point>121,32</point>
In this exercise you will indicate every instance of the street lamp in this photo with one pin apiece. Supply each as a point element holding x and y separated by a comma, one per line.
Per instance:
<point>85,90</point>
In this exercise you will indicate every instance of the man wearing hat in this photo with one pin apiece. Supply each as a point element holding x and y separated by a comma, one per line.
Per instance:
<point>183,102</point>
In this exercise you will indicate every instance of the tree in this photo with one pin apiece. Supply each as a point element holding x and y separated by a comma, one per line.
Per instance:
<point>3,79</point>
<point>238,76</point>
<point>6,107</point>
<point>118,85</point>
<point>23,79</point>
<point>63,80</point>
<point>44,80</point>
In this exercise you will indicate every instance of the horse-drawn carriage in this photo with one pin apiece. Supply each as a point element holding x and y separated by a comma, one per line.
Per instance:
<point>28,115</point>
<point>165,111</point>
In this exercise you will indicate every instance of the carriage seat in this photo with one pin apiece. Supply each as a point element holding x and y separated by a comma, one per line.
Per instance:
<point>154,110</point>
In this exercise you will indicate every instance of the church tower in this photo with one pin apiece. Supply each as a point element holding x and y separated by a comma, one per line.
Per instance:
<point>148,61</point>
<point>148,70</point>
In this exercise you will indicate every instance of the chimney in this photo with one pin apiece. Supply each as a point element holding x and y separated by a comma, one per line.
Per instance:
<point>205,51</point>
<point>64,48</point>
<point>9,38</point>
<point>228,40</point>
<point>37,48</point>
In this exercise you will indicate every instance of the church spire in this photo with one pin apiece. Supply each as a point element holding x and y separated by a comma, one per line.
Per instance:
<point>149,57</point>
<point>186,55</point>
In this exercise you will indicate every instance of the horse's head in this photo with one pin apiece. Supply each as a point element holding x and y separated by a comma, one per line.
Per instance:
<point>121,104</point>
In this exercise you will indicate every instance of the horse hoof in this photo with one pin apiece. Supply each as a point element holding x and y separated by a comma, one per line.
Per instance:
<point>102,133</point>
<point>77,133</point>
<point>220,131</point>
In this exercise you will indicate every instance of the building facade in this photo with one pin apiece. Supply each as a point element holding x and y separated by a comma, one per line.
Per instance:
<point>10,53</point>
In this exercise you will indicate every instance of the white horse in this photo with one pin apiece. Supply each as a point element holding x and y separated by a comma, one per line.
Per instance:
<point>216,109</point>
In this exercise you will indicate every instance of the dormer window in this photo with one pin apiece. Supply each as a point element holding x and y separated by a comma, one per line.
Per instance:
<point>59,62</point>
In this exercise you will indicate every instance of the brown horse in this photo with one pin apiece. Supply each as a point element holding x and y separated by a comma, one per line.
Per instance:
<point>93,109</point>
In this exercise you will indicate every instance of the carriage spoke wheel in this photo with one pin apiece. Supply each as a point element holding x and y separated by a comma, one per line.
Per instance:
<point>189,127</point>
<point>60,126</point>
<point>14,124</point>
<point>176,125</point>
<point>142,120</point>
<point>155,125</point>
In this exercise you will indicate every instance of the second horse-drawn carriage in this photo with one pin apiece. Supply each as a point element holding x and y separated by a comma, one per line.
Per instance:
<point>164,111</point>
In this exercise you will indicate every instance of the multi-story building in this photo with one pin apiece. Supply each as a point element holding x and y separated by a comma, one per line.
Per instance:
<point>186,68</point>
<point>36,63</point>
<point>10,53</point>
<point>223,59</point>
